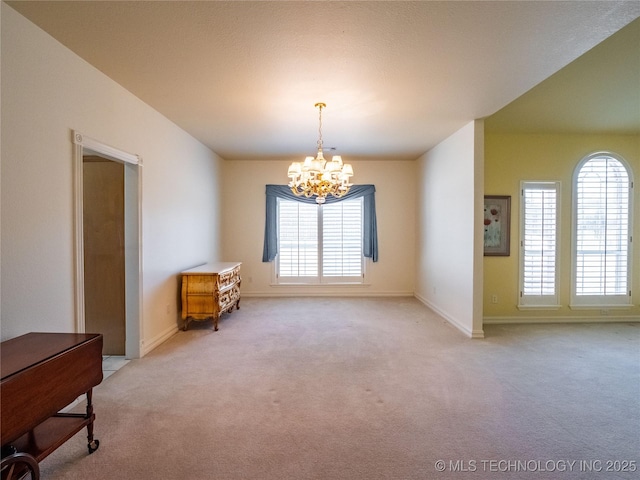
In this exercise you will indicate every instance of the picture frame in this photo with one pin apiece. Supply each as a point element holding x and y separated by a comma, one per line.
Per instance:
<point>497,225</point>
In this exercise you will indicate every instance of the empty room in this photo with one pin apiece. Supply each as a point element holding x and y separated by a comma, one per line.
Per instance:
<point>320,239</point>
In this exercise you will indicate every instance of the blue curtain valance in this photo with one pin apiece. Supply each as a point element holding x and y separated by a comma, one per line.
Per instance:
<point>370,227</point>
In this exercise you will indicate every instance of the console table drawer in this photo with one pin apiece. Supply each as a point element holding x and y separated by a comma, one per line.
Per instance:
<point>201,284</point>
<point>227,279</point>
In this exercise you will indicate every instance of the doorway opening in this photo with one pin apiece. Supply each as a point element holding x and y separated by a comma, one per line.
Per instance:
<point>107,245</point>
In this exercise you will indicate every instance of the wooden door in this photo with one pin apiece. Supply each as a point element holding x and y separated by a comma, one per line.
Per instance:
<point>104,263</point>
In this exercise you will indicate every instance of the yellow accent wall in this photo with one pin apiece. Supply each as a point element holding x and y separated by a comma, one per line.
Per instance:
<point>512,158</point>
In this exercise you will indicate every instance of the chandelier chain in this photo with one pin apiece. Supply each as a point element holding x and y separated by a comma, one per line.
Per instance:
<point>320,127</point>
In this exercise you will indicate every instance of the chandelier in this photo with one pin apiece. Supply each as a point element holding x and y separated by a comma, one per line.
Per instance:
<point>316,176</point>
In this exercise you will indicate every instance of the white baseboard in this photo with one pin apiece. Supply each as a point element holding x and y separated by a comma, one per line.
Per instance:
<point>452,320</point>
<point>72,405</point>
<point>345,292</point>
<point>147,346</point>
<point>562,319</point>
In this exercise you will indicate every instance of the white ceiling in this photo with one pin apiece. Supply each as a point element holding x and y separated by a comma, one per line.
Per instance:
<point>397,77</point>
<point>597,93</point>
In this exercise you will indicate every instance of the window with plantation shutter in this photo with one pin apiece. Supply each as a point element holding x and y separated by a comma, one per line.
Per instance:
<point>298,248</point>
<point>539,244</point>
<point>342,240</point>
<point>602,232</point>
<point>320,243</point>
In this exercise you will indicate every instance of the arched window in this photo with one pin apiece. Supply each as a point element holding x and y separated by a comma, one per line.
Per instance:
<point>602,200</point>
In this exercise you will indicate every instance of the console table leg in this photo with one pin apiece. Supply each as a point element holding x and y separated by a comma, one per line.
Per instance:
<point>92,445</point>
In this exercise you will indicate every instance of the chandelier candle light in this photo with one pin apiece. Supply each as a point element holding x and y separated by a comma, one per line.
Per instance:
<point>316,176</point>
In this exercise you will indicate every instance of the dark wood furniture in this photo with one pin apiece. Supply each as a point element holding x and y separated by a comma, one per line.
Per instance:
<point>41,374</point>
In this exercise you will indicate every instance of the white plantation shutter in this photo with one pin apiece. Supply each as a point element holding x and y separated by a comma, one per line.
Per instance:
<point>298,239</point>
<point>342,239</point>
<point>602,232</point>
<point>539,244</point>
<point>320,244</point>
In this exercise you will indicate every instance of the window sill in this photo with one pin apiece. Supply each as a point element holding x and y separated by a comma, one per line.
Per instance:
<point>539,307</point>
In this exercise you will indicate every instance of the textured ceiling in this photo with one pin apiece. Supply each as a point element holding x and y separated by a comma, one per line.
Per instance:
<point>597,93</point>
<point>397,77</point>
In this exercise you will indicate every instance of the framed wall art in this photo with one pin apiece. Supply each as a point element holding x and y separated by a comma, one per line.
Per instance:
<point>497,225</point>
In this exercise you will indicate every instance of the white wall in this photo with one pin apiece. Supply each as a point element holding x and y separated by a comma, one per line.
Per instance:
<point>48,91</point>
<point>448,241</point>
<point>244,216</point>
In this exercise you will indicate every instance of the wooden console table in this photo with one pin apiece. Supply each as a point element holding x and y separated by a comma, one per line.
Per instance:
<point>210,290</point>
<point>41,374</point>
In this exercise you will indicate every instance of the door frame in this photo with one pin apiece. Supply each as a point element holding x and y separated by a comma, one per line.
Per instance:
<point>84,145</point>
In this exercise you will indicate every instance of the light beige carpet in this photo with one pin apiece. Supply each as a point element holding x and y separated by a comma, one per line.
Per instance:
<point>319,388</point>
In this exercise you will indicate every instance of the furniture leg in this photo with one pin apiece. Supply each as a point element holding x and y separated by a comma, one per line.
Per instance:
<point>92,445</point>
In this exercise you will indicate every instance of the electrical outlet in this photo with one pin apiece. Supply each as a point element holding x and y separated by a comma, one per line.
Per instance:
<point>494,298</point>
